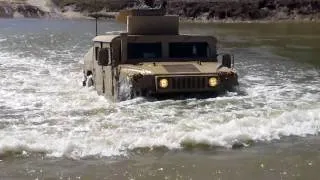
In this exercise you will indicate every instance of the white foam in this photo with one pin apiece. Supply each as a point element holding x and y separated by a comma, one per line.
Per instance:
<point>47,110</point>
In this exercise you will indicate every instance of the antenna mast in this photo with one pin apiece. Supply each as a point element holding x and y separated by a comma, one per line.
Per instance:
<point>96,16</point>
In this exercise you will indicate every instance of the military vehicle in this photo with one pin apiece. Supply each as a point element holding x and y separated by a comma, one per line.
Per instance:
<point>152,59</point>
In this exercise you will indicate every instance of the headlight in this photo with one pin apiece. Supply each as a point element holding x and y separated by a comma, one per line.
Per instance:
<point>163,83</point>
<point>213,81</point>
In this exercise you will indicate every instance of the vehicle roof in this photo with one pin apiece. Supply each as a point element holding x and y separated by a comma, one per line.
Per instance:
<point>110,38</point>
<point>105,38</point>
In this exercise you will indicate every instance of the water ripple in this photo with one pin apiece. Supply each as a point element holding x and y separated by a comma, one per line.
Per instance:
<point>45,109</point>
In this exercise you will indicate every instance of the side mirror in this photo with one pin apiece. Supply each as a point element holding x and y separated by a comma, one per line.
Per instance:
<point>103,57</point>
<point>226,60</point>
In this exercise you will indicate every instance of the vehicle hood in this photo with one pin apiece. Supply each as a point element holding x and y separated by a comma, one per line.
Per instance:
<point>170,68</point>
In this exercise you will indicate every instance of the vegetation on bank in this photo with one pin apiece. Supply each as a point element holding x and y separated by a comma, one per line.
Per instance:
<point>240,10</point>
<point>199,10</point>
<point>247,9</point>
<point>92,5</point>
<point>19,8</point>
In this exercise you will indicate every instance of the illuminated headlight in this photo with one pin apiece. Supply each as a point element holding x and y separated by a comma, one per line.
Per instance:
<point>213,82</point>
<point>163,83</point>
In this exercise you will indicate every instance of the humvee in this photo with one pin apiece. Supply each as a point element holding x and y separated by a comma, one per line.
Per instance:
<point>152,59</point>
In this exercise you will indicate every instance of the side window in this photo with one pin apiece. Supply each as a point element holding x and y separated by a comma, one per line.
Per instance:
<point>96,51</point>
<point>103,56</point>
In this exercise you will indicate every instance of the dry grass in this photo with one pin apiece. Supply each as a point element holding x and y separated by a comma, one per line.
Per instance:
<point>93,5</point>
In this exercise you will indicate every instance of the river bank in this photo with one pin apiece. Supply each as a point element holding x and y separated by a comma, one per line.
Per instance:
<point>188,10</point>
<point>247,10</point>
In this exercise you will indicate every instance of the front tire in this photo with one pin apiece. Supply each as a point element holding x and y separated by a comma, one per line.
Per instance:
<point>84,80</point>
<point>87,79</point>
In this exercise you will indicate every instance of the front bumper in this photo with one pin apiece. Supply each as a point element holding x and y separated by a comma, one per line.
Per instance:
<point>184,84</point>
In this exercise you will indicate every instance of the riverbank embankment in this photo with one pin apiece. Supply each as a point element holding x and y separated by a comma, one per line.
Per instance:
<point>21,8</point>
<point>188,10</point>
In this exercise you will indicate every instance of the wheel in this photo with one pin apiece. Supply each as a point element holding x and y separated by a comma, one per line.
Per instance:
<point>87,79</point>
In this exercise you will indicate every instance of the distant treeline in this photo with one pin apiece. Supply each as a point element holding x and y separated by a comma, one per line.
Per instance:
<point>213,9</point>
<point>246,9</point>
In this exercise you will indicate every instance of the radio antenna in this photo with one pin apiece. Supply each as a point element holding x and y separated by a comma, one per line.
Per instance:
<point>96,16</point>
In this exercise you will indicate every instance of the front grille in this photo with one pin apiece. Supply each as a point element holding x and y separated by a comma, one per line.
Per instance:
<point>188,82</point>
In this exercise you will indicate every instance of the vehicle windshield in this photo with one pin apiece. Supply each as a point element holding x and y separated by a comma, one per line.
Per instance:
<point>144,50</point>
<point>188,50</point>
<point>177,51</point>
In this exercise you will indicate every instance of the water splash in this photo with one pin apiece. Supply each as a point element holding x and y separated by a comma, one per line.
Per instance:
<point>45,109</point>
<point>125,89</point>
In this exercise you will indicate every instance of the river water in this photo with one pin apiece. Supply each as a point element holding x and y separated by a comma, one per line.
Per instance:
<point>53,128</point>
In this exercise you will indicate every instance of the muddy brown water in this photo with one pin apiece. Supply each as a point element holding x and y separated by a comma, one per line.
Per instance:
<point>52,128</point>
